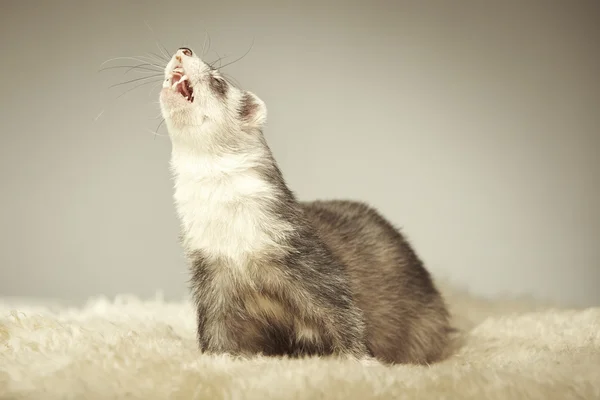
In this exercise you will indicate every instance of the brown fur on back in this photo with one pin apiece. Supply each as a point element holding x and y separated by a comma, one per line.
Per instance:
<point>405,316</point>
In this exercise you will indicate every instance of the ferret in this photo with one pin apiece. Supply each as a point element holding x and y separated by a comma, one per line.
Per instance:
<point>272,275</point>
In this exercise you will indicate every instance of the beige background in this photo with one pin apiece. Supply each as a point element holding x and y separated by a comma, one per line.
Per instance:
<point>473,125</point>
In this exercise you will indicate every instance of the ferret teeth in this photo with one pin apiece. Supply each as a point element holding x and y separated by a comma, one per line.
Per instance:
<point>183,78</point>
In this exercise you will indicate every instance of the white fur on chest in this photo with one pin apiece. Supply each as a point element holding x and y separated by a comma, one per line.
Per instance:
<point>223,206</point>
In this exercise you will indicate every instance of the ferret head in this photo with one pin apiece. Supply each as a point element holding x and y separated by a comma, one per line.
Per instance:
<point>201,107</point>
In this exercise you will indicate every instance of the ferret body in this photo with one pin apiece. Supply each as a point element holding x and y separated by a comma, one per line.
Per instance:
<point>272,275</point>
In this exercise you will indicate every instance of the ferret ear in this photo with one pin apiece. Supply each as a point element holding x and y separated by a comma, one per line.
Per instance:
<point>253,111</point>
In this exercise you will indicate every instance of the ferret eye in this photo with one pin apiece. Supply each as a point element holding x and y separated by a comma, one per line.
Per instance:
<point>186,51</point>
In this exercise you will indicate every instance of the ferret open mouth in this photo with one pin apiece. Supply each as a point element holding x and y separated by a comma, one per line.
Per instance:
<point>181,84</point>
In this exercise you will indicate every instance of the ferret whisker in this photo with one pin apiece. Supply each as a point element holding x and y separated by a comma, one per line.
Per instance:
<point>136,80</point>
<point>98,116</point>
<point>238,59</point>
<point>154,86</point>
<point>139,67</point>
<point>155,134</point>
<point>231,80</point>
<point>204,45</point>
<point>160,46</point>
<point>154,60</point>
<point>142,67</point>
<point>164,50</point>
<point>157,129</point>
<point>159,125</point>
<point>159,57</point>
<point>218,60</point>
<point>133,88</point>
<point>212,64</point>
<point>137,58</point>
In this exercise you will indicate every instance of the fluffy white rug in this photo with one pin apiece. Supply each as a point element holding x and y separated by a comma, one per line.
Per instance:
<point>134,349</point>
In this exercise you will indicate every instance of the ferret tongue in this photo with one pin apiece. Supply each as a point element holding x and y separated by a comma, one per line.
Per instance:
<point>176,77</point>
<point>183,89</point>
<point>181,85</point>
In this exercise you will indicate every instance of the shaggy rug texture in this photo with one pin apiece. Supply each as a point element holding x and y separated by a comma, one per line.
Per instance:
<point>127,348</point>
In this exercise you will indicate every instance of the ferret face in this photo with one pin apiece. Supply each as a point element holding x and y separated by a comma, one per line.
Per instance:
<point>198,103</point>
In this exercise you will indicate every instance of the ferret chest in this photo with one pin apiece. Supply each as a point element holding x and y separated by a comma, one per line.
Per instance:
<point>224,210</point>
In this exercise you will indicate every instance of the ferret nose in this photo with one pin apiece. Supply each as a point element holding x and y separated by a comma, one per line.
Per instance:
<point>186,51</point>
